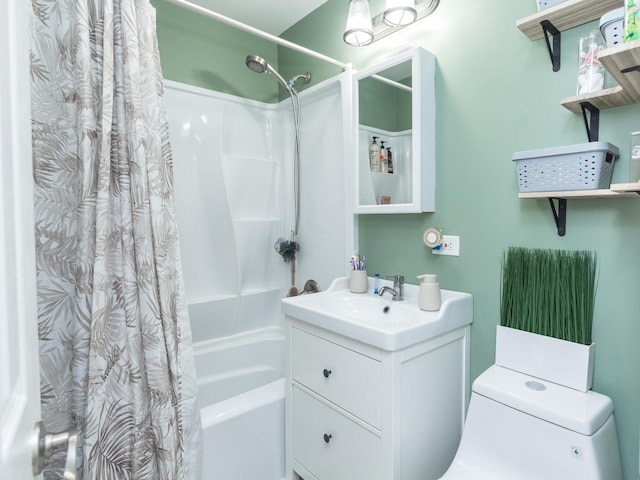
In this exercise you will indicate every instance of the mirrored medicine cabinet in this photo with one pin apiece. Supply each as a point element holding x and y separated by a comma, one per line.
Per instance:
<point>395,102</point>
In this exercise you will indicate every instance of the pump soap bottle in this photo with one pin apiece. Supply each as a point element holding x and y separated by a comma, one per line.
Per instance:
<point>429,293</point>
<point>374,156</point>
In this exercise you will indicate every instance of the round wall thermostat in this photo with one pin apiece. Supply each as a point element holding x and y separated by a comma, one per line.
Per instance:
<point>432,237</point>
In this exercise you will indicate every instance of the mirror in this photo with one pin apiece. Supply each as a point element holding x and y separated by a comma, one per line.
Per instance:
<point>395,103</point>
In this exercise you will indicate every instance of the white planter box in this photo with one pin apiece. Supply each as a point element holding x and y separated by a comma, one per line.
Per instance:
<point>558,361</point>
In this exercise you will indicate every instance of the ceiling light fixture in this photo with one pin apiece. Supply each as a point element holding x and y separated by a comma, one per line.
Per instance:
<point>399,12</point>
<point>362,29</point>
<point>359,30</point>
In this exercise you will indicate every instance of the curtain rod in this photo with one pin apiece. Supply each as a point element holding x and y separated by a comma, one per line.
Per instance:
<point>255,31</point>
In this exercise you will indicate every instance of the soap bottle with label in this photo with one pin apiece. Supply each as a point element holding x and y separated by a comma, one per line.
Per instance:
<point>384,166</point>
<point>389,160</point>
<point>374,156</point>
<point>429,293</point>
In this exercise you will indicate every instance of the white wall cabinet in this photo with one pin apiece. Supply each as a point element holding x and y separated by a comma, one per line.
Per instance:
<point>409,100</point>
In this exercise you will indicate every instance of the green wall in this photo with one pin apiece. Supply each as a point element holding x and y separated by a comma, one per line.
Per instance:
<point>496,94</point>
<point>203,52</point>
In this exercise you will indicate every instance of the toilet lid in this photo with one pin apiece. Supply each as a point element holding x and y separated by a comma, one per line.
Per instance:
<point>582,412</point>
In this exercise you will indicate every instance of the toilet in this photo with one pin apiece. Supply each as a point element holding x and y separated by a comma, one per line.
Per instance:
<point>520,427</point>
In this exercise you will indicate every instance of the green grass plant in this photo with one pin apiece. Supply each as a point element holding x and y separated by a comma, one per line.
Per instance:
<point>549,292</point>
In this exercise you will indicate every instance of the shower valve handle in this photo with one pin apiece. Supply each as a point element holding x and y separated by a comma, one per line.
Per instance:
<point>326,373</point>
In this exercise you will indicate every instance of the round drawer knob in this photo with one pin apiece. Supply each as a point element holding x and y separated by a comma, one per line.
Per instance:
<point>327,438</point>
<point>326,373</point>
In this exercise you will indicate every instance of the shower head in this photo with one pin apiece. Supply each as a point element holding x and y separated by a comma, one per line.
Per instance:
<point>256,64</point>
<point>259,65</point>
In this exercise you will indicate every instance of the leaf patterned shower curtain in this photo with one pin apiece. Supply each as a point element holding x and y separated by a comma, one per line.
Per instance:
<point>115,343</point>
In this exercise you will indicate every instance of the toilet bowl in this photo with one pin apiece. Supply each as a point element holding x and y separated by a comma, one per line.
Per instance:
<point>521,427</point>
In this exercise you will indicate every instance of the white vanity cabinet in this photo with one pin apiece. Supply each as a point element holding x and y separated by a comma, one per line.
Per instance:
<point>359,412</point>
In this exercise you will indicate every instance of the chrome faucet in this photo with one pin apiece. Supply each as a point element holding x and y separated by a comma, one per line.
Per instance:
<point>398,287</point>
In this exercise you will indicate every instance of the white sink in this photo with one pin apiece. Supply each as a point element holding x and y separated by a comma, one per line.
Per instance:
<point>380,321</point>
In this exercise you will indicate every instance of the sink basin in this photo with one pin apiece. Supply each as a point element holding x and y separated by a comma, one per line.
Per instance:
<point>380,321</point>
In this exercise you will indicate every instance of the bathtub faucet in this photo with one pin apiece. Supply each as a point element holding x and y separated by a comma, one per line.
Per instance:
<point>398,287</point>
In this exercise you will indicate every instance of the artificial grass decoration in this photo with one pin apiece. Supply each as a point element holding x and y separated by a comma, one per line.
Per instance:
<point>549,292</point>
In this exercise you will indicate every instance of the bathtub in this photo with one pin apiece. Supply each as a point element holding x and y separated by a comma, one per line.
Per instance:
<point>241,393</point>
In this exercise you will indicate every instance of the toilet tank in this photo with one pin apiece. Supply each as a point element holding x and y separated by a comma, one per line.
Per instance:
<point>522,427</point>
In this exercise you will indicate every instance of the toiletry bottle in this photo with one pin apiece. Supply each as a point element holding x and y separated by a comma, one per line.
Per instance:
<point>376,285</point>
<point>389,160</point>
<point>384,166</point>
<point>429,293</point>
<point>374,156</point>
<point>631,20</point>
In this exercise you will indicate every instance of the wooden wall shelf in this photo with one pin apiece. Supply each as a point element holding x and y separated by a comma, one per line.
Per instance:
<point>622,62</point>
<point>558,200</point>
<point>616,190</point>
<point>566,15</point>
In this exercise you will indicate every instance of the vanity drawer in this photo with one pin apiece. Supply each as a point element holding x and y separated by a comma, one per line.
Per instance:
<point>342,376</point>
<point>351,452</point>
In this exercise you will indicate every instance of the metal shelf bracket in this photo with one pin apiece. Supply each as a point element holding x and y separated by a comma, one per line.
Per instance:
<point>635,68</point>
<point>593,123</point>
<point>554,50</point>
<point>559,214</point>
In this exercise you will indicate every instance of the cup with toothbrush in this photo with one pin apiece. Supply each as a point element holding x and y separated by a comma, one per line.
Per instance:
<point>358,281</point>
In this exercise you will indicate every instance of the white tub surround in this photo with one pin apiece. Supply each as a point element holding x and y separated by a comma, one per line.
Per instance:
<point>233,164</point>
<point>248,426</point>
<point>241,394</point>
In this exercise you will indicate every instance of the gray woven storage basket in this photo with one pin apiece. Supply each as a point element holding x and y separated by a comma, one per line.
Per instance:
<point>585,166</point>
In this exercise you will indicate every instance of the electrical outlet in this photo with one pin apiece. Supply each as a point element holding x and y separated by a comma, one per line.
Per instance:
<point>450,246</point>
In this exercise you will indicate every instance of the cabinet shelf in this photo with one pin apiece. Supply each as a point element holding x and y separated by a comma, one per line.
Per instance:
<point>566,15</point>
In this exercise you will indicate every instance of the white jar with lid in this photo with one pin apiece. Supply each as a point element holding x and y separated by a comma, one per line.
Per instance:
<point>429,292</point>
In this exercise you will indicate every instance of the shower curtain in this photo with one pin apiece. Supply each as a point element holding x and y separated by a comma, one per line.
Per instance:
<point>115,343</point>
